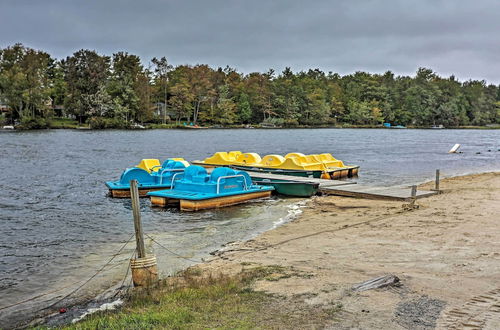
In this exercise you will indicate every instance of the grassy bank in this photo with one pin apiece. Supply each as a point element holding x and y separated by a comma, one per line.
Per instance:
<point>63,123</point>
<point>195,300</point>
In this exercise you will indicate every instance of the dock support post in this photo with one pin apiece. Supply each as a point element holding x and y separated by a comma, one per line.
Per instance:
<point>144,267</point>
<point>139,236</point>
<point>413,195</point>
<point>436,187</point>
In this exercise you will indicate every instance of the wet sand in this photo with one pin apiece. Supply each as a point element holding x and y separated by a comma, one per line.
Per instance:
<point>446,254</point>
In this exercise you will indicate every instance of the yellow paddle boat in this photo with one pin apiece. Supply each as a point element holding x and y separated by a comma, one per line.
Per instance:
<point>334,167</point>
<point>229,158</point>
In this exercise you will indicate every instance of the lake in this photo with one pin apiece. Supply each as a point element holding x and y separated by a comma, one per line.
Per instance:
<point>58,225</point>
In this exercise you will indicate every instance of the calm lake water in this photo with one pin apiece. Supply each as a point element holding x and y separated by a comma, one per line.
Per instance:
<point>58,226</point>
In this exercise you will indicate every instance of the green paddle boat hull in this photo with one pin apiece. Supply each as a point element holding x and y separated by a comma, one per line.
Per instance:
<point>290,188</point>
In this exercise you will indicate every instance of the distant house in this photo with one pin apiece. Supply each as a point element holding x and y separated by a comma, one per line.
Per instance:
<point>160,109</point>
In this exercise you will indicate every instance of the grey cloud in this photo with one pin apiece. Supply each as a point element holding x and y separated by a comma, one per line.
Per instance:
<point>451,37</point>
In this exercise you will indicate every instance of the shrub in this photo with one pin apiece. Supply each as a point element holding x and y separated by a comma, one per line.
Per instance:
<point>33,123</point>
<point>101,123</point>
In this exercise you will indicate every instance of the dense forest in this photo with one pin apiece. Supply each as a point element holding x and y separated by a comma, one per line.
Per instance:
<point>119,90</point>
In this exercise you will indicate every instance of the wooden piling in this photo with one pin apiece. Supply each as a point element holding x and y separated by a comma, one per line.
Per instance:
<point>413,195</point>
<point>139,237</point>
<point>144,268</point>
<point>436,187</point>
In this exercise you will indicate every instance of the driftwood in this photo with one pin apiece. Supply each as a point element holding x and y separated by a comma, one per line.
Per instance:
<point>377,282</point>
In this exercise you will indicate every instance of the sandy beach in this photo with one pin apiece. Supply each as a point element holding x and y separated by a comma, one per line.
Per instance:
<point>446,254</point>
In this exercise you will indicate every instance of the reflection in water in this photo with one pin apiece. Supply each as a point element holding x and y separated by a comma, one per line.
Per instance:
<point>59,227</point>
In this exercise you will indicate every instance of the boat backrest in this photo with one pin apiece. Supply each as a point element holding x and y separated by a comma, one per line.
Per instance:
<point>330,161</point>
<point>248,179</point>
<point>220,172</point>
<point>248,158</point>
<point>327,157</point>
<point>233,155</point>
<point>293,163</point>
<point>316,158</point>
<point>167,163</point>
<point>219,158</point>
<point>135,173</point>
<point>311,159</point>
<point>272,160</point>
<point>174,164</point>
<point>195,173</point>
<point>149,165</point>
<point>294,154</point>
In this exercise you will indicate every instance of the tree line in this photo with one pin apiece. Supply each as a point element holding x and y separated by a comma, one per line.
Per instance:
<point>117,90</point>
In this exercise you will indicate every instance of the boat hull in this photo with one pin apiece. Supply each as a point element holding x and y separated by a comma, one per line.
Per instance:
<point>205,204</point>
<point>299,173</point>
<point>290,188</point>
<point>125,193</point>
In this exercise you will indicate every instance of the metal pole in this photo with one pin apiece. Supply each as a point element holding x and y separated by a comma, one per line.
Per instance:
<point>139,238</point>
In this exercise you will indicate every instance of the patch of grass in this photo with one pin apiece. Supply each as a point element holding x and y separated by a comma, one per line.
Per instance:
<point>196,300</point>
<point>63,123</point>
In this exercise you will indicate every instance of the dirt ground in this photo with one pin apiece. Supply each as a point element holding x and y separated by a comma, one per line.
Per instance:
<point>446,254</point>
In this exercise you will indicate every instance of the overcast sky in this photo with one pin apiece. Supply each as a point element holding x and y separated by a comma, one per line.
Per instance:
<point>458,37</point>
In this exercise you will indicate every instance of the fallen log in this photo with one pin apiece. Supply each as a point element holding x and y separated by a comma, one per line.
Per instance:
<point>377,282</point>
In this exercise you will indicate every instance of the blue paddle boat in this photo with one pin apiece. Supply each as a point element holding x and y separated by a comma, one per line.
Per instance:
<point>198,190</point>
<point>158,177</point>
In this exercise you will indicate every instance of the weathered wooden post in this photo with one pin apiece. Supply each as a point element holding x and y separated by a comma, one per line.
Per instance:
<point>413,195</point>
<point>436,186</point>
<point>144,267</point>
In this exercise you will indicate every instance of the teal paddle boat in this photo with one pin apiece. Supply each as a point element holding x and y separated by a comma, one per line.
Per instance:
<point>157,178</point>
<point>197,190</point>
<point>290,188</point>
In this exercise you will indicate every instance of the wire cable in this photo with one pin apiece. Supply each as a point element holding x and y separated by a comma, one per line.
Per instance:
<point>172,252</point>
<point>93,276</point>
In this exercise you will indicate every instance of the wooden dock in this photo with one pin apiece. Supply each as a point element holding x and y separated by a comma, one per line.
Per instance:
<point>350,188</point>
<point>370,192</point>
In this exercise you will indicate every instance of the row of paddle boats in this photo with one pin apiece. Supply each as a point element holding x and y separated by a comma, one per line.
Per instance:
<point>323,166</point>
<point>192,187</point>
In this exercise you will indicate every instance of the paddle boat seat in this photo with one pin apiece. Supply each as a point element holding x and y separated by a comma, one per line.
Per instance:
<point>249,158</point>
<point>327,163</point>
<point>221,158</point>
<point>272,161</point>
<point>294,154</point>
<point>170,164</point>
<point>199,190</point>
<point>149,165</point>
<point>234,154</point>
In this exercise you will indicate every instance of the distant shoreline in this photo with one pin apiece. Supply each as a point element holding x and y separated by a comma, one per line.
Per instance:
<point>86,128</point>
